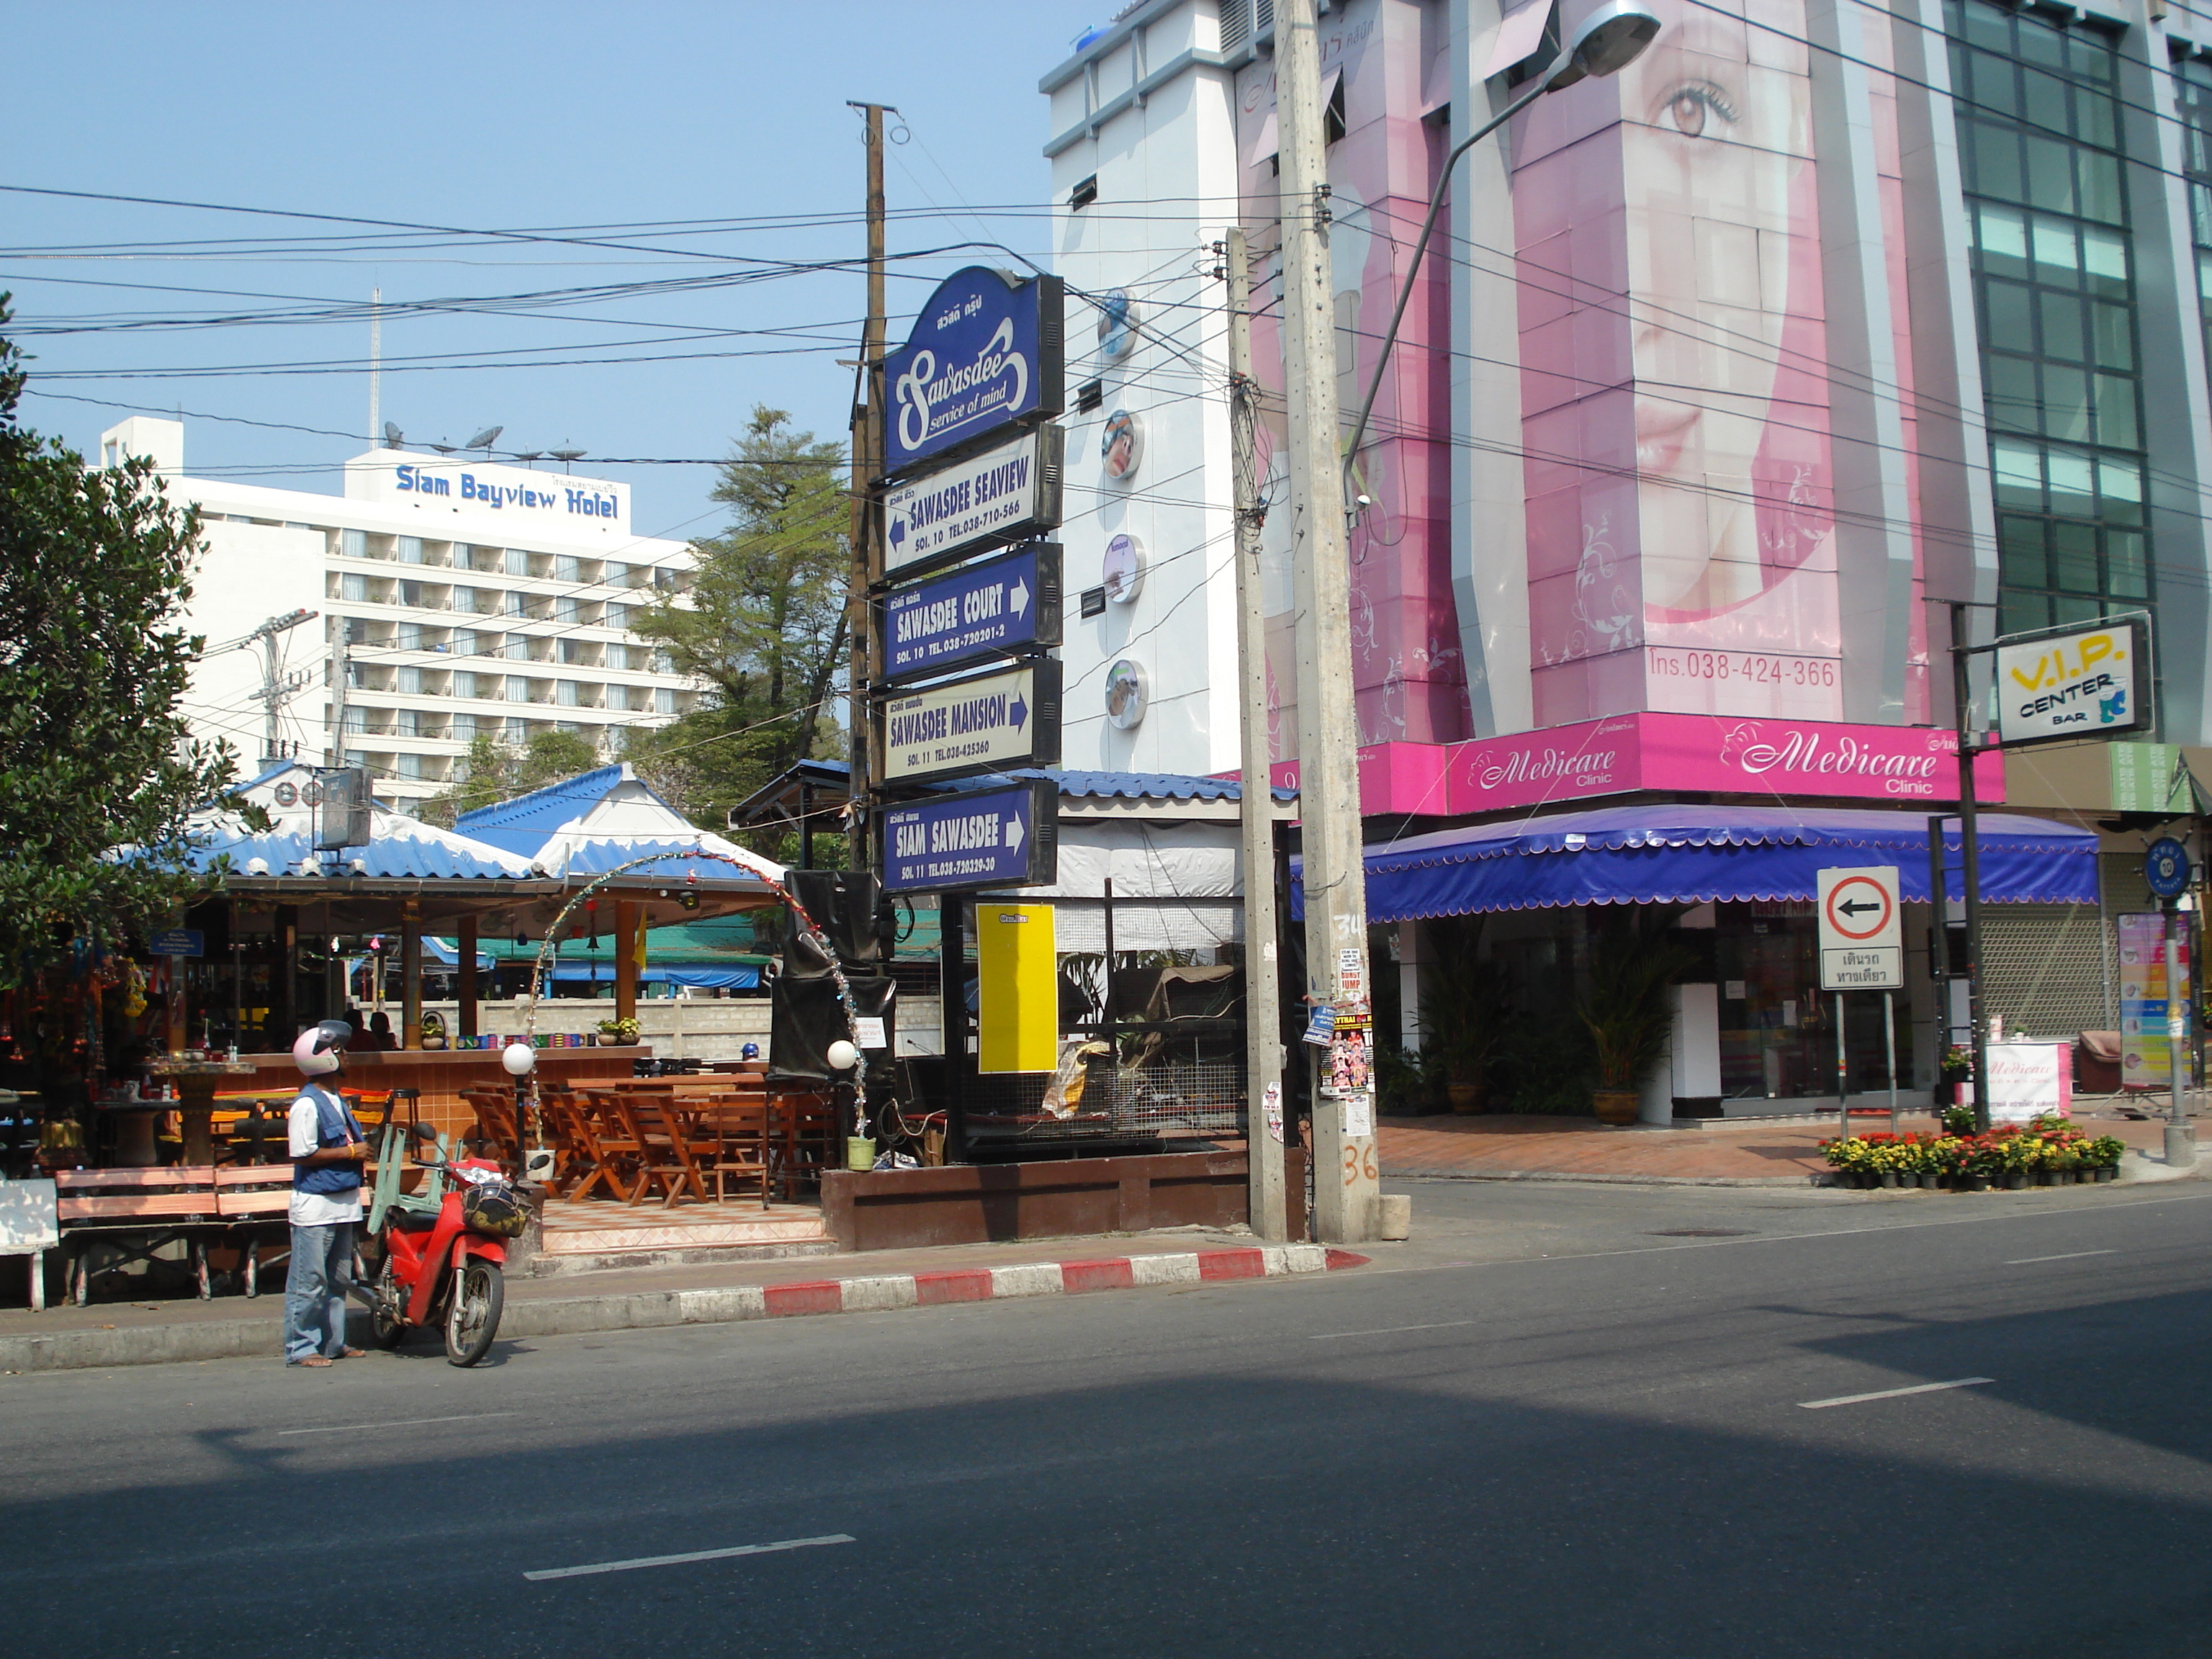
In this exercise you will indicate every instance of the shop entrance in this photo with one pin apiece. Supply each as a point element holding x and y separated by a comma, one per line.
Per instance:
<point>1777,1026</point>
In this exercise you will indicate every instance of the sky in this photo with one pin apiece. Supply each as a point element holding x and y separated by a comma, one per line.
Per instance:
<point>700,149</point>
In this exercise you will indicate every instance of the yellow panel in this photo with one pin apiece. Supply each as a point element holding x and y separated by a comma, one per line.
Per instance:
<point>1017,988</point>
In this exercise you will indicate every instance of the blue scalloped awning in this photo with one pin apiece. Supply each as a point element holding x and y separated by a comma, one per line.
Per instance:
<point>1699,854</point>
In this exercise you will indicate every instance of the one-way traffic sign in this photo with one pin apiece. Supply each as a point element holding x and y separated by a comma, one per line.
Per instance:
<point>1862,944</point>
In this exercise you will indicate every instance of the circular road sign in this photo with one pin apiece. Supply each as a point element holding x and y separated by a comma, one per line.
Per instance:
<point>1859,907</point>
<point>2166,867</point>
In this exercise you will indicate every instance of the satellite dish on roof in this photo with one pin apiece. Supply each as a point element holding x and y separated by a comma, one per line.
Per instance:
<point>485,438</point>
<point>443,449</point>
<point>566,454</point>
<point>393,434</point>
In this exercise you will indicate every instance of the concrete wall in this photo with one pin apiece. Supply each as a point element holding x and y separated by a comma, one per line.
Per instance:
<point>680,1028</point>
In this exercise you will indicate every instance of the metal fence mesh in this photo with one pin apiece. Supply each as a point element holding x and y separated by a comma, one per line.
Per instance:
<point>2044,968</point>
<point>1178,1091</point>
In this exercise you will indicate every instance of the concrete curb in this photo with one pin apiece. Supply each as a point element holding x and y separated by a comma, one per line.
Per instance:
<point>257,1338</point>
<point>1393,1173</point>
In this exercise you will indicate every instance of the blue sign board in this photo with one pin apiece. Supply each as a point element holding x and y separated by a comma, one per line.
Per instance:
<point>986,352</point>
<point>178,942</point>
<point>993,609</point>
<point>2166,867</point>
<point>990,839</point>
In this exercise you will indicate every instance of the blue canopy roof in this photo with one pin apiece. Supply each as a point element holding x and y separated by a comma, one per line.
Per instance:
<point>1697,854</point>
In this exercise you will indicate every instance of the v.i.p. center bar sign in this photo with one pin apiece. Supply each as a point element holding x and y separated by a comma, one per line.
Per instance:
<point>986,352</point>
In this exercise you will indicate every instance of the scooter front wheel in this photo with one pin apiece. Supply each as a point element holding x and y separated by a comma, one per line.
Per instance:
<point>472,1320</point>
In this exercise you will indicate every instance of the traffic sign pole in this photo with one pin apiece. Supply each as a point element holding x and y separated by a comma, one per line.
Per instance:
<point>1970,860</point>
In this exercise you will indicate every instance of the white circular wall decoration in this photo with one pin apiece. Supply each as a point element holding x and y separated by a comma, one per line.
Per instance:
<point>1122,572</point>
<point>1122,445</point>
<point>1117,323</point>
<point>1127,694</point>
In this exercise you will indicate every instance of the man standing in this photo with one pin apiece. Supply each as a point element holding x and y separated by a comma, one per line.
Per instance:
<point>327,1154</point>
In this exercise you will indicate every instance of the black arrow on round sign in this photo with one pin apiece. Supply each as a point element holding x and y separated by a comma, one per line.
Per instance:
<point>1852,907</point>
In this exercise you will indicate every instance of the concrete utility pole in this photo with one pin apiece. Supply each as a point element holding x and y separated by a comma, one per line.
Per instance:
<point>340,655</point>
<point>1344,1187</point>
<point>868,452</point>
<point>1263,992</point>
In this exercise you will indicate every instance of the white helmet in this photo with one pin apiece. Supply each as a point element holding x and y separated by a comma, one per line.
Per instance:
<point>321,1049</point>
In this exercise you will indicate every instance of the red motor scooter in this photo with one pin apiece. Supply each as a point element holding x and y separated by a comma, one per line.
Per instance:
<point>443,1251</point>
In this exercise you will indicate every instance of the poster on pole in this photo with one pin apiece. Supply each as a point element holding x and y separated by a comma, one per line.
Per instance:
<point>1862,937</point>
<point>2146,1048</point>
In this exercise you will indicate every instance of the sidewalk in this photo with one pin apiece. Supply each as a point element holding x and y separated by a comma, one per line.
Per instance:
<point>180,1330</point>
<point>1770,1154</point>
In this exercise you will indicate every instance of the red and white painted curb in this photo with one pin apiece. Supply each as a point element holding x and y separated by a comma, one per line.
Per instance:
<point>879,1293</point>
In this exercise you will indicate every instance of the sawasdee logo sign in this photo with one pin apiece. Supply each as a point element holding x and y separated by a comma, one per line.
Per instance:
<point>986,352</point>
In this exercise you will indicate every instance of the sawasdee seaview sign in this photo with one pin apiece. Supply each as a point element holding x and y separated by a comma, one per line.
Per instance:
<point>986,352</point>
<point>1009,491</point>
<point>2092,682</point>
<point>985,723</point>
<point>1001,838</point>
<point>999,606</point>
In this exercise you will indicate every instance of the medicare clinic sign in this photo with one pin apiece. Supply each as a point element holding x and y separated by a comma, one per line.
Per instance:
<point>441,485</point>
<point>986,351</point>
<point>2092,682</point>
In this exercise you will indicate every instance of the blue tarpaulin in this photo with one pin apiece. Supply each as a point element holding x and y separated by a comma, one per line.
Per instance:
<point>1699,854</point>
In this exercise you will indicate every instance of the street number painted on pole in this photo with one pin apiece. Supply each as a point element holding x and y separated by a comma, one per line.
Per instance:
<point>1862,937</point>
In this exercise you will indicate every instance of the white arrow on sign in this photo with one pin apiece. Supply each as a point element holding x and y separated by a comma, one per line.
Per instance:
<point>1014,833</point>
<point>1020,597</point>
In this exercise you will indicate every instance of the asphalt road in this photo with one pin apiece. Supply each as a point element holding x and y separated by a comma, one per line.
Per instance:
<point>1563,1420</point>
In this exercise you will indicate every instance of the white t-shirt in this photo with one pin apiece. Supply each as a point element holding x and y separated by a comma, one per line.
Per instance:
<point>316,1209</point>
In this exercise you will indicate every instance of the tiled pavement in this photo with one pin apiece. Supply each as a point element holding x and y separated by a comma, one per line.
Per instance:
<point>1582,1149</point>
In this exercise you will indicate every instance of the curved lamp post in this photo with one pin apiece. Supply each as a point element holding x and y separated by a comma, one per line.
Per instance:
<point>1610,39</point>
<point>520,1058</point>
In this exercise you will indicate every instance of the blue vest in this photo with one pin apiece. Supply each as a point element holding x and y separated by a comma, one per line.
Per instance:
<point>334,1127</point>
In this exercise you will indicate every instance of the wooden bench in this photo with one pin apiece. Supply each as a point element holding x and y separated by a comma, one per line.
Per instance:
<point>137,1212</point>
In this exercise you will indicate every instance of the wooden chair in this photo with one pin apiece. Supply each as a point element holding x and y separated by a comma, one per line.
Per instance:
<point>495,1135</point>
<point>806,1127</point>
<point>669,1147</point>
<point>743,1142</point>
<point>617,1141</point>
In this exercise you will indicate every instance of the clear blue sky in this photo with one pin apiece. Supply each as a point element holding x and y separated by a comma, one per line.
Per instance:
<point>493,116</point>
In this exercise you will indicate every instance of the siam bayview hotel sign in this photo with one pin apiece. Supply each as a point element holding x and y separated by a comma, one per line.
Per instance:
<point>985,353</point>
<point>1627,754</point>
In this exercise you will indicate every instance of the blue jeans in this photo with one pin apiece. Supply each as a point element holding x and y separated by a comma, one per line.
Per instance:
<point>315,1292</point>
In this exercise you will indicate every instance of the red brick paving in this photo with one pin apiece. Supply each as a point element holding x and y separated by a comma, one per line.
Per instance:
<point>1582,1148</point>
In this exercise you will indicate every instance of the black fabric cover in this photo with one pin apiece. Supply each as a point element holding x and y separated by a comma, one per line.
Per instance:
<point>844,903</point>
<point>806,1019</point>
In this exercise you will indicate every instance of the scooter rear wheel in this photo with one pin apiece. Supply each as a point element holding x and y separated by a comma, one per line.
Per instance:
<point>472,1320</point>
<point>386,1326</point>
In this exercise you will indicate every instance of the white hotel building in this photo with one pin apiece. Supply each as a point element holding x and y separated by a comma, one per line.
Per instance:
<point>472,599</point>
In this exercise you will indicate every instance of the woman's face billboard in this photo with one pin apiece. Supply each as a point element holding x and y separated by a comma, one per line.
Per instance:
<point>1717,566</point>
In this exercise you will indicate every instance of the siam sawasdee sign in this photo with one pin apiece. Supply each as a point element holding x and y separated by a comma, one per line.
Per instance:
<point>1002,605</point>
<point>1002,838</point>
<point>985,351</point>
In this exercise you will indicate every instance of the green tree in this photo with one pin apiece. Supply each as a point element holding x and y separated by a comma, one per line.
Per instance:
<point>764,624</point>
<point>95,754</point>
<point>492,771</point>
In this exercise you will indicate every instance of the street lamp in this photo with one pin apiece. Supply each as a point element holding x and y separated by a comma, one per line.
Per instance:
<point>1610,39</point>
<point>518,1058</point>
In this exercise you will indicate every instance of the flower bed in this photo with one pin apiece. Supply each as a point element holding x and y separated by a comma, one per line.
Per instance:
<point>2050,1152</point>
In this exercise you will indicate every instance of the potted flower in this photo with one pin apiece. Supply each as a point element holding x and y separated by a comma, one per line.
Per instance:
<point>2101,1157</point>
<point>619,1030</point>
<point>1627,1011</point>
<point>1847,1156</point>
<point>1957,1066</point>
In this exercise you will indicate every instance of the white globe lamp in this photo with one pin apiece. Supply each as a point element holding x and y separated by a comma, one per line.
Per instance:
<point>517,1058</point>
<point>842,1056</point>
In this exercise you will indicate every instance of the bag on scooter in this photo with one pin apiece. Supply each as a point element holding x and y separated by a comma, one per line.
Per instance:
<point>497,1208</point>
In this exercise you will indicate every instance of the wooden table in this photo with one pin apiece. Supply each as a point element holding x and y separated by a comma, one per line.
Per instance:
<point>197,1081</point>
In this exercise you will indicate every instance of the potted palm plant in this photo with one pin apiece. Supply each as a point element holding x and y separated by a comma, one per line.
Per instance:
<point>1627,1011</point>
<point>1459,1023</point>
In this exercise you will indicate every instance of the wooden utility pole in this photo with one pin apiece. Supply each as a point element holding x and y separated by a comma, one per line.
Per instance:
<point>1345,1195</point>
<point>867,464</point>
<point>1264,1114</point>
